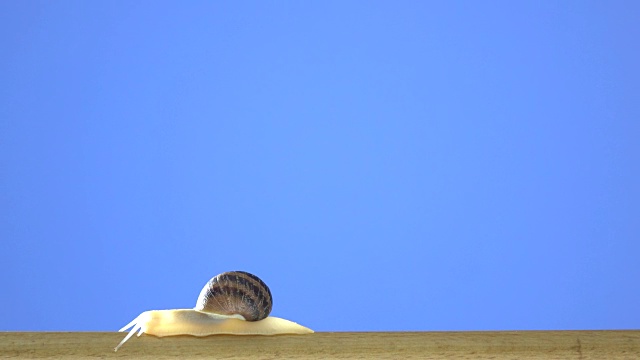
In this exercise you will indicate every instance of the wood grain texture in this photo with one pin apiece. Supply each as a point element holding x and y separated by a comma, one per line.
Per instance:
<point>371,345</point>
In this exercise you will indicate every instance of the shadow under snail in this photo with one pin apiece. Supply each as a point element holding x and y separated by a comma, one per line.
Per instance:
<point>235,303</point>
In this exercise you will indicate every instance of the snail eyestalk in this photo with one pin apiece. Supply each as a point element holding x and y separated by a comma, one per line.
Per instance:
<point>136,327</point>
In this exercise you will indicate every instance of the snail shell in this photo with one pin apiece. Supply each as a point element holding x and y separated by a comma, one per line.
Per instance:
<point>236,293</point>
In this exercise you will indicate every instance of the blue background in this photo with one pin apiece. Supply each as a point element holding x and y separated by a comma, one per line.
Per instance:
<point>449,165</point>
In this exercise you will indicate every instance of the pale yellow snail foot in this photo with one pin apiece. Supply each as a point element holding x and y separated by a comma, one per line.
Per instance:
<point>199,323</point>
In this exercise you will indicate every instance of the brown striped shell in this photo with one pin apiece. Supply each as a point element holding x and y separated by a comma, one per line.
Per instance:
<point>236,292</point>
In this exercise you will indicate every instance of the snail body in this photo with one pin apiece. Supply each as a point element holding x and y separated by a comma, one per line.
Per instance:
<point>234,303</point>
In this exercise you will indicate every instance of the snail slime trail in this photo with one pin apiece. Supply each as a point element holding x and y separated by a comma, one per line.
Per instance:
<point>232,303</point>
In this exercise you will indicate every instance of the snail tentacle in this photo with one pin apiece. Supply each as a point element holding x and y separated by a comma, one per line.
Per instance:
<point>136,327</point>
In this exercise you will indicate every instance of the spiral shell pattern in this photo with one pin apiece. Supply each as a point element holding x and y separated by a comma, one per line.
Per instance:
<point>236,292</point>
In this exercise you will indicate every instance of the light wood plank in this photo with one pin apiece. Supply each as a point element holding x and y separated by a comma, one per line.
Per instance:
<point>370,345</point>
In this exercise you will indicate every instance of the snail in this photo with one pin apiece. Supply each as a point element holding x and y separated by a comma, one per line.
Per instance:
<point>235,302</point>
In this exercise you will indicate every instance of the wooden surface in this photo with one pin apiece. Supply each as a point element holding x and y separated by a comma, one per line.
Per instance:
<point>371,345</point>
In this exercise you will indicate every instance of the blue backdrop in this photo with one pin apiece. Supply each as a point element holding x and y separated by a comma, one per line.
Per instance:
<point>382,165</point>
